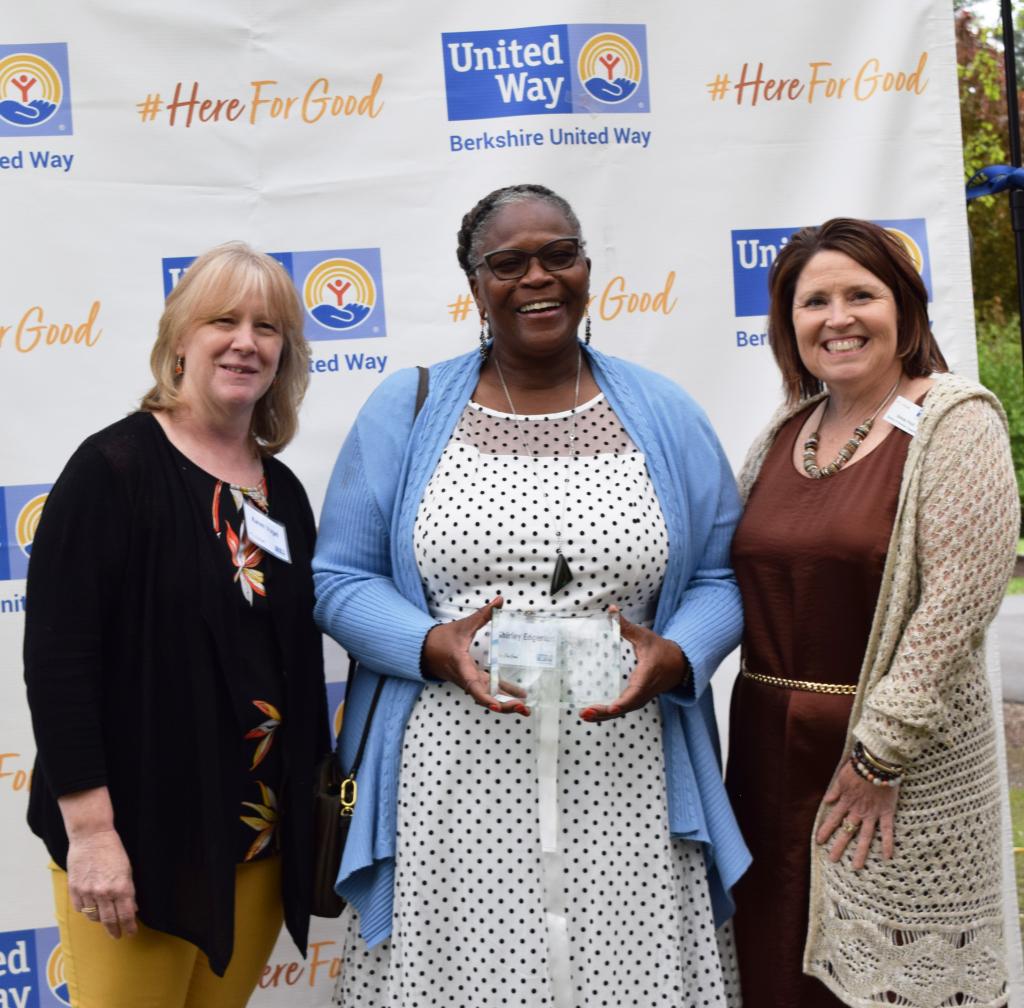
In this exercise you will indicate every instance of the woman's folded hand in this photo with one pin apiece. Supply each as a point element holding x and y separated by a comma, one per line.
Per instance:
<point>660,666</point>
<point>446,656</point>
<point>858,809</point>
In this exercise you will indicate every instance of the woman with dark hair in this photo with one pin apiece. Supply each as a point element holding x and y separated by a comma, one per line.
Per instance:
<point>879,533</point>
<point>174,672</point>
<point>559,856</point>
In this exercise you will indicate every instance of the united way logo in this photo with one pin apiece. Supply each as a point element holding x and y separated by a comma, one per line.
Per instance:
<point>55,981</point>
<point>342,290</point>
<point>335,706</point>
<point>545,70</point>
<point>610,68</point>
<point>35,96</point>
<point>340,294</point>
<point>754,251</point>
<point>32,969</point>
<point>20,508</point>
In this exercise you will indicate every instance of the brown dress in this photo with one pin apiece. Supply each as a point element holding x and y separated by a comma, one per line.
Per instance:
<point>808,556</point>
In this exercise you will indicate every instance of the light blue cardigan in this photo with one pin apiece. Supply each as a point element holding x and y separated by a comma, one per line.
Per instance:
<point>370,599</point>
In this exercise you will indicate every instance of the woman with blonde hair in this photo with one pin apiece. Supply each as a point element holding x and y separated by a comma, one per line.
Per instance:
<point>174,673</point>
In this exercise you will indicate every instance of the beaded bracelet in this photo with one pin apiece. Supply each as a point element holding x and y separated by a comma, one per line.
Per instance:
<point>874,770</point>
<point>879,764</point>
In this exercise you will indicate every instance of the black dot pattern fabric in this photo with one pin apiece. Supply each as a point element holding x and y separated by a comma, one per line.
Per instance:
<point>472,925</point>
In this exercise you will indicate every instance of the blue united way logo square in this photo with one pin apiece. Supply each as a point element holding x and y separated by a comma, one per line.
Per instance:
<point>32,969</point>
<point>35,90</point>
<point>610,71</point>
<point>913,232</point>
<point>20,508</point>
<point>546,70</point>
<point>510,72</point>
<point>175,267</point>
<point>52,986</point>
<point>335,706</point>
<point>342,291</point>
<point>754,250</point>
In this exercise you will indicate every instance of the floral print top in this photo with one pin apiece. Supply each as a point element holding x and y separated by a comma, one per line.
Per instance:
<point>256,682</point>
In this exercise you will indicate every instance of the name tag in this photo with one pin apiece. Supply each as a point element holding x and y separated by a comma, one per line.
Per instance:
<point>266,533</point>
<point>525,644</point>
<point>904,414</point>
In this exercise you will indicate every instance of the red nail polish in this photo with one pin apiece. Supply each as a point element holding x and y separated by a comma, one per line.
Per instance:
<point>495,707</point>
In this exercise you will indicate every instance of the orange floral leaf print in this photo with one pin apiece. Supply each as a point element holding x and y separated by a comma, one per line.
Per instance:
<point>268,708</point>
<point>246,557</point>
<point>215,508</point>
<point>265,822</point>
<point>258,845</point>
<point>264,732</point>
<point>266,811</point>
<point>261,750</point>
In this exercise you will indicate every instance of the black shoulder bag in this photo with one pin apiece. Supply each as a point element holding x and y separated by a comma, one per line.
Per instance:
<point>335,793</point>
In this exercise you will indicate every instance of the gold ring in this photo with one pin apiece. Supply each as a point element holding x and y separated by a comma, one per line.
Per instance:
<point>850,826</point>
<point>89,910</point>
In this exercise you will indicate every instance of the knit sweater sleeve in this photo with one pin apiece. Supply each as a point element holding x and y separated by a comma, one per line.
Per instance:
<point>709,622</point>
<point>357,601</point>
<point>966,533</point>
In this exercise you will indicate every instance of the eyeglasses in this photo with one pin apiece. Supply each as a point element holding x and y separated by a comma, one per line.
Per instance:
<point>511,264</point>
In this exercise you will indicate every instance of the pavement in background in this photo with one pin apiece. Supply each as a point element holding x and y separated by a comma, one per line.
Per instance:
<point>1010,628</point>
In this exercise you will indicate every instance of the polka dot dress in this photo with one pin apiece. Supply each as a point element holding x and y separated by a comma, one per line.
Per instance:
<point>619,915</point>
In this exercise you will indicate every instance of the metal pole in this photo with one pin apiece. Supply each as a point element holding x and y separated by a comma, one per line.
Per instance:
<point>1013,121</point>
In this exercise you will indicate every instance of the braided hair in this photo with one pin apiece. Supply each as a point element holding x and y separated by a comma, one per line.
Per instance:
<point>473,223</point>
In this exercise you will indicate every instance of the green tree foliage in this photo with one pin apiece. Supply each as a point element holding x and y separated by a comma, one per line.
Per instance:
<point>983,119</point>
<point>1000,369</point>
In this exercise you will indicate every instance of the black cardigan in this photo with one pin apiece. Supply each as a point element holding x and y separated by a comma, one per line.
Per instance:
<point>129,631</point>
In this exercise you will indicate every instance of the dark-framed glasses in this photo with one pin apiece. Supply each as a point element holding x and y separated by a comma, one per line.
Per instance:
<point>510,264</point>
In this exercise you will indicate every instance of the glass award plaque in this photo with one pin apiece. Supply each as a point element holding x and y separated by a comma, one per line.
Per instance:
<point>556,660</point>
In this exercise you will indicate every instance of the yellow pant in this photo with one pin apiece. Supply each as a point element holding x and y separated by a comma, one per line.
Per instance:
<point>156,970</point>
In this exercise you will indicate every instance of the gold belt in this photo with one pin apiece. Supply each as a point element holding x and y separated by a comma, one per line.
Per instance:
<point>844,689</point>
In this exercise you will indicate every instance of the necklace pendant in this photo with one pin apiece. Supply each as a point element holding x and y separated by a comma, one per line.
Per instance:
<point>561,577</point>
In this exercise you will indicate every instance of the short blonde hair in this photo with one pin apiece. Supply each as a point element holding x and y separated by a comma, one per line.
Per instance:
<point>214,285</point>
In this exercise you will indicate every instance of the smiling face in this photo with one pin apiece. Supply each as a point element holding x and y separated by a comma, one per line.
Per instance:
<point>230,360</point>
<point>846,323</point>
<point>537,314</point>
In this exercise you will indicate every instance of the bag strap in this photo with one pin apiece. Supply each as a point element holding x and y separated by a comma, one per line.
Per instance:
<point>421,390</point>
<point>422,387</point>
<point>353,665</point>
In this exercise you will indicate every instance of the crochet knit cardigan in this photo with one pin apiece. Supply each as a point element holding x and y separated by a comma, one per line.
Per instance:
<point>927,925</point>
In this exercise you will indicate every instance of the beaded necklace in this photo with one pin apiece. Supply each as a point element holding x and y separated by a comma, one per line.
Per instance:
<point>847,451</point>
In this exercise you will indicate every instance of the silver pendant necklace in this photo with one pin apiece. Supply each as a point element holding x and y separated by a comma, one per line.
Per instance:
<point>562,574</point>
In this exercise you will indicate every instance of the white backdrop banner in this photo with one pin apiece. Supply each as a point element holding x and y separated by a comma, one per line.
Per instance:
<point>348,139</point>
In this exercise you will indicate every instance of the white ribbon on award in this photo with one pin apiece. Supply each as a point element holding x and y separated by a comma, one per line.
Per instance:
<point>557,662</point>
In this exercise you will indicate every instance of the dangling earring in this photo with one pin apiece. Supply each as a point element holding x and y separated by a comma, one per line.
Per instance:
<point>485,336</point>
<point>586,330</point>
<point>179,366</point>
